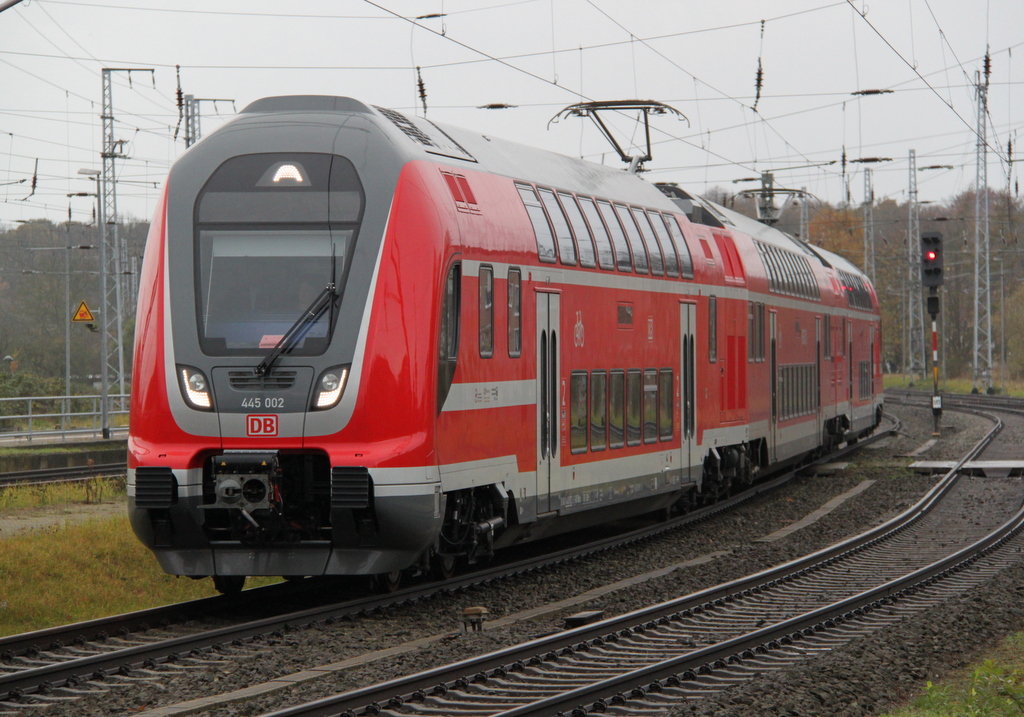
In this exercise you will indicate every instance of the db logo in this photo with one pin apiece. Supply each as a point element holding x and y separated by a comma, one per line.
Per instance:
<point>258,424</point>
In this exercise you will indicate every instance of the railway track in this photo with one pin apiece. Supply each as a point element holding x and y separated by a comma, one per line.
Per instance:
<point>64,474</point>
<point>644,661</point>
<point>62,657</point>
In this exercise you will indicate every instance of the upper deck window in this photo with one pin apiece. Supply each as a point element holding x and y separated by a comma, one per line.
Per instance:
<point>566,248</point>
<point>539,220</point>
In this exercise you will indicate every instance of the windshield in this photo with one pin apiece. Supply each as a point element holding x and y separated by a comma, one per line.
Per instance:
<point>255,283</point>
<point>268,228</point>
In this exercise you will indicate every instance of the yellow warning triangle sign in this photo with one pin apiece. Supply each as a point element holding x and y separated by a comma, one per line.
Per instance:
<point>82,313</point>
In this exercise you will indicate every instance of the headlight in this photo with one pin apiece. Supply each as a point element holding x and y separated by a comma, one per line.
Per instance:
<point>195,388</point>
<point>329,387</point>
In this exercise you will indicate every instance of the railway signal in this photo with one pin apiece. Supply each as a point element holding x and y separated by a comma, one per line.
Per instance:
<point>931,278</point>
<point>931,259</point>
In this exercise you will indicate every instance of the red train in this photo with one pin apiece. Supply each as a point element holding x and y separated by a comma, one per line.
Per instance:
<point>367,342</point>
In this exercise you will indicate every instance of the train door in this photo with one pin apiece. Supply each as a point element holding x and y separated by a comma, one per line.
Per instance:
<point>849,370</point>
<point>548,398</point>
<point>687,390</point>
<point>817,368</point>
<point>773,423</point>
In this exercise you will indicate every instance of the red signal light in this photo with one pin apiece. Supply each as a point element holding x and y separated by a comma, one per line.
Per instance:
<point>930,255</point>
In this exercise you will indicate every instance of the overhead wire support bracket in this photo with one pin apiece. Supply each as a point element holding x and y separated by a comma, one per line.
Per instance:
<point>645,107</point>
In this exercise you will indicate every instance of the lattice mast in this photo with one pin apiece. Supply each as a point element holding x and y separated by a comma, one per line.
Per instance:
<point>869,226</point>
<point>915,309</point>
<point>982,272</point>
<point>114,288</point>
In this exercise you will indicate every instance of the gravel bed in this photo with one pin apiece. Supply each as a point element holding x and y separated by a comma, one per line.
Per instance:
<point>896,488</point>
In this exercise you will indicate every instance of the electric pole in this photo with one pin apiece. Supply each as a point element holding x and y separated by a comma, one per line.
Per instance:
<point>116,254</point>
<point>982,277</point>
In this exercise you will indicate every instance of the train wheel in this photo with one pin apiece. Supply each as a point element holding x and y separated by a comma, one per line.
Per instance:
<point>229,584</point>
<point>389,582</point>
<point>443,566</point>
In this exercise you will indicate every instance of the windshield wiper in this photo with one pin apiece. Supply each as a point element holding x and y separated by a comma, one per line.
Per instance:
<point>323,300</point>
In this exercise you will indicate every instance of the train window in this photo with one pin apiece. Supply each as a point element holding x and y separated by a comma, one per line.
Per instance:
<point>579,227</point>
<point>598,410</point>
<point>541,228</point>
<point>622,258</point>
<point>658,225</point>
<point>605,253</point>
<point>566,248</point>
<point>864,383</point>
<point>657,258</point>
<point>712,329</point>
<point>676,234</point>
<point>827,337</point>
<point>578,412</point>
<point>769,265</point>
<point>650,405</point>
<point>486,311</point>
<point>515,318</point>
<point>666,404</point>
<point>448,344</point>
<point>616,412</point>
<point>636,242</point>
<point>634,406</point>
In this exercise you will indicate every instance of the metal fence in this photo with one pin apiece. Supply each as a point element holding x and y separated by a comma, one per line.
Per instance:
<point>26,418</point>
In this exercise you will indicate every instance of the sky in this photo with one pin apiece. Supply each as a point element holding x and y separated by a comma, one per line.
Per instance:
<point>540,56</point>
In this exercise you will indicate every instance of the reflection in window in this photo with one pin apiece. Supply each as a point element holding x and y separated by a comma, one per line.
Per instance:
<point>579,227</point>
<point>616,409</point>
<point>448,343</point>
<point>486,312</point>
<point>657,260</point>
<point>650,405</point>
<point>671,260</point>
<point>622,258</point>
<point>634,406</point>
<point>605,253</point>
<point>685,261</point>
<point>635,242</point>
<point>515,321</point>
<point>666,397</point>
<point>566,249</point>
<point>541,228</point>
<point>578,412</point>
<point>598,411</point>
<point>712,329</point>
<point>240,315</point>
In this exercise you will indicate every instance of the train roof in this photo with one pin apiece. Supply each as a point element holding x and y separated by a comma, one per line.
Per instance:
<point>419,138</point>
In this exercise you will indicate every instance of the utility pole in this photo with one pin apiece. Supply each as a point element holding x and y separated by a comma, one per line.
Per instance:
<point>915,312</point>
<point>869,226</point>
<point>116,252</point>
<point>982,277</point>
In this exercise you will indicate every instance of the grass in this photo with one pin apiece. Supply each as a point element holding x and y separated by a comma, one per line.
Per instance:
<point>39,495</point>
<point>80,572</point>
<point>993,687</point>
<point>952,385</point>
<point>47,450</point>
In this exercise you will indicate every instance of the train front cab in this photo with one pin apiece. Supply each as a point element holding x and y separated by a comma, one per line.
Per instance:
<point>295,471</point>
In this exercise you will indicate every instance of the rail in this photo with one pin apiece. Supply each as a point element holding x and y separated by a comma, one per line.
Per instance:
<point>26,418</point>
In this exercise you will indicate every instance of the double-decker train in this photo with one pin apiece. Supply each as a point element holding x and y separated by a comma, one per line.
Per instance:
<point>367,342</point>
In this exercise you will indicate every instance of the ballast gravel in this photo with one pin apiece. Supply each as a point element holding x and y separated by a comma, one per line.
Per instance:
<point>894,490</point>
